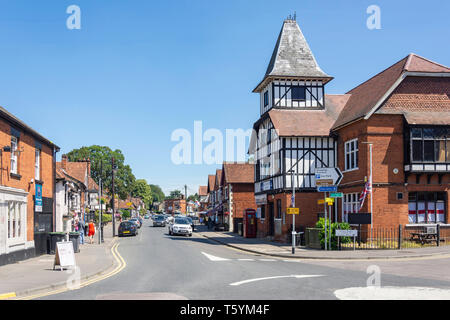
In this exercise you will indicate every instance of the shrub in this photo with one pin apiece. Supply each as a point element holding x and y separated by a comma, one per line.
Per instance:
<point>126,214</point>
<point>105,217</point>
<point>334,226</point>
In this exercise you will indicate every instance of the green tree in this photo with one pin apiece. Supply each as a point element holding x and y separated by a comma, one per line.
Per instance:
<point>176,194</point>
<point>194,197</point>
<point>123,180</point>
<point>142,190</point>
<point>334,226</point>
<point>157,193</point>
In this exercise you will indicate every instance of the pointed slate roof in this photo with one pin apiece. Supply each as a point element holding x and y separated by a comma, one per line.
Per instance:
<point>292,56</point>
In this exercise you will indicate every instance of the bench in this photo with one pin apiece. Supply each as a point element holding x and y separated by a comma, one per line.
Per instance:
<point>427,236</point>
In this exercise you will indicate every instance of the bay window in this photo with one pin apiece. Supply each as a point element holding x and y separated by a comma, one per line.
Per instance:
<point>430,144</point>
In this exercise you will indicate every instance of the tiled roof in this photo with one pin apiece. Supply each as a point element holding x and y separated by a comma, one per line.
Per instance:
<point>291,123</point>
<point>202,190</point>
<point>211,182</point>
<point>239,172</point>
<point>367,95</point>
<point>218,178</point>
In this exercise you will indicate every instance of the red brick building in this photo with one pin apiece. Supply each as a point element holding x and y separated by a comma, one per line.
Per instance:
<point>404,112</point>
<point>27,188</point>
<point>238,192</point>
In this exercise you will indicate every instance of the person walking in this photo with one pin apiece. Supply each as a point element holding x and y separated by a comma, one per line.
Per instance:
<point>91,231</point>
<point>81,227</point>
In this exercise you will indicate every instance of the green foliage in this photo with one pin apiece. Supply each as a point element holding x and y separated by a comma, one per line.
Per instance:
<point>142,190</point>
<point>106,218</point>
<point>157,193</point>
<point>334,226</point>
<point>194,197</point>
<point>126,214</point>
<point>176,194</point>
<point>101,158</point>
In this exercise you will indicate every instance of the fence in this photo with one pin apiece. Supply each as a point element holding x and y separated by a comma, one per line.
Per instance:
<point>401,237</point>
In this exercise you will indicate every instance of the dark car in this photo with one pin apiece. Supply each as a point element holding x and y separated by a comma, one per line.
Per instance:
<point>191,222</point>
<point>128,228</point>
<point>159,221</point>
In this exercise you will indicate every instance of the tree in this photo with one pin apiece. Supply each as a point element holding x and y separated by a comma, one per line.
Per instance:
<point>194,197</point>
<point>157,193</point>
<point>142,190</point>
<point>176,194</point>
<point>123,178</point>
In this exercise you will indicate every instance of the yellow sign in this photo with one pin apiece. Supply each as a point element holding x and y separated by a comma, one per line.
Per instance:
<point>329,201</point>
<point>293,211</point>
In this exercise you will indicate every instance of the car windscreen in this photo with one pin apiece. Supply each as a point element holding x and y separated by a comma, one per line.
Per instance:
<point>159,218</point>
<point>181,221</point>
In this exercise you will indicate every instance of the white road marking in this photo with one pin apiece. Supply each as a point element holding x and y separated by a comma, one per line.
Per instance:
<point>392,293</point>
<point>214,258</point>
<point>268,260</point>
<point>246,259</point>
<point>277,277</point>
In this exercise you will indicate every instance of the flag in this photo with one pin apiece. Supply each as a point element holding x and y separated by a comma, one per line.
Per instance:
<point>367,190</point>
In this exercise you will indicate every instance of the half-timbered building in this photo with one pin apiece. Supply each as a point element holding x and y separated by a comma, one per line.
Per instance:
<point>292,136</point>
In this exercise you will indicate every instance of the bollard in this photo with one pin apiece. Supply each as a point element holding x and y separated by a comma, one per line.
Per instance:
<point>438,234</point>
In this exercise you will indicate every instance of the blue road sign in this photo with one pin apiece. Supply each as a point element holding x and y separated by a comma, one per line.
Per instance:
<point>327,189</point>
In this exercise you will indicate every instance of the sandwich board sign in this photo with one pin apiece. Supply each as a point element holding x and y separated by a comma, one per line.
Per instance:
<point>65,256</point>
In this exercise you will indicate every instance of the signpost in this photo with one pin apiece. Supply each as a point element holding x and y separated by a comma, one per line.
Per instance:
<point>347,233</point>
<point>327,180</point>
<point>293,211</point>
<point>65,256</point>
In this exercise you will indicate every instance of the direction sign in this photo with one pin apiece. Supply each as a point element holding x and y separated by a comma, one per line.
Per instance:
<point>293,211</point>
<point>327,189</point>
<point>337,195</point>
<point>328,177</point>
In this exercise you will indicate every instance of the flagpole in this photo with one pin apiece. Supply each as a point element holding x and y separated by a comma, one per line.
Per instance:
<point>371,194</point>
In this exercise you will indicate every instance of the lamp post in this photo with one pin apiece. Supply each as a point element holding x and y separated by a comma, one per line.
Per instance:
<point>113,200</point>
<point>293,206</point>
<point>370,187</point>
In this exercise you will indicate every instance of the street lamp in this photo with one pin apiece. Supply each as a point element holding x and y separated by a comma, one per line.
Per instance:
<point>293,206</point>
<point>370,188</point>
<point>113,170</point>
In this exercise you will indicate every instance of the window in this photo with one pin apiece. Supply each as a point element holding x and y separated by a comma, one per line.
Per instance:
<point>263,212</point>
<point>14,161</point>
<point>430,144</point>
<point>266,98</point>
<point>298,93</point>
<point>426,207</point>
<point>351,154</point>
<point>15,224</point>
<point>37,165</point>
<point>350,205</point>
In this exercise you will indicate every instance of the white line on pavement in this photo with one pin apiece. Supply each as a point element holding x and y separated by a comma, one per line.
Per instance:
<point>214,258</point>
<point>246,259</point>
<point>277,277</point>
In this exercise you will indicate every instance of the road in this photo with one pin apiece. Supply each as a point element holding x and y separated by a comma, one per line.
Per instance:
<point>159,266</point>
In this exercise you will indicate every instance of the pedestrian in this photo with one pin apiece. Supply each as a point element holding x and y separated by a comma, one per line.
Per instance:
<point>91,231</point>
<point>81,227</point>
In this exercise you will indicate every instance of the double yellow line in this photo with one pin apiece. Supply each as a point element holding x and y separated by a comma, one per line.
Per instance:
<point>121,265</point>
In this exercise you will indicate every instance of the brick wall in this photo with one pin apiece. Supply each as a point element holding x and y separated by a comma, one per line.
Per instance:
<point>26,169</point>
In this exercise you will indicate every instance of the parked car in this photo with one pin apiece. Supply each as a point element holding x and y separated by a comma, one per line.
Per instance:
<point>146,217</point>
<point>159,221</point>
<point>136,220</point>
<point>191,222</point>
<point>180,226</point>
<point>128,228</point>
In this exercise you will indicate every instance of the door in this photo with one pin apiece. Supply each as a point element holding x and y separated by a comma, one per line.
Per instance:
<point>271,219</point>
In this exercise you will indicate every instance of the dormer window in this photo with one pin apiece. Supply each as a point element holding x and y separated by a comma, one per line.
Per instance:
<point>298,93</point>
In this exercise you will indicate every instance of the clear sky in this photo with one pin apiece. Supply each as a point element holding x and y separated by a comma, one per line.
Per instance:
<point>138,70</point>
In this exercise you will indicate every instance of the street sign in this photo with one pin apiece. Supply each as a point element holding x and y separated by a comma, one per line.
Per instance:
<point>321,201</point>
<point>293,211</point>
<point>346,233</point>
<point>337,195</point>
<point>328,200</point>
<point>327,189</point>
<point>326,177</point>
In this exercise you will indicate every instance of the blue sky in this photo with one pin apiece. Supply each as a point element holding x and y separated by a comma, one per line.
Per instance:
<point>138,70</point>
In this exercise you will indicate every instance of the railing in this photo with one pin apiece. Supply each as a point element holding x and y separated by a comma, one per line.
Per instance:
<point>398,238</point>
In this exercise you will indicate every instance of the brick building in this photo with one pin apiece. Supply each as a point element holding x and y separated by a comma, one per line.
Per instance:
<point>404,112</point>
<point>27,175</point>
<point>203,198</point>
<point>178,205</point>
<point>238,192</point>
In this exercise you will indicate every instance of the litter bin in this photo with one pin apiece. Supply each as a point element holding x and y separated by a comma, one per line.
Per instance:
<point>41,243</point>
<point>75,238</point>
<point>54,238</point>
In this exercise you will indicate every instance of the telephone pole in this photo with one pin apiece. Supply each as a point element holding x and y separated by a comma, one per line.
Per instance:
<point>113,201</point>
<point>185,199</point>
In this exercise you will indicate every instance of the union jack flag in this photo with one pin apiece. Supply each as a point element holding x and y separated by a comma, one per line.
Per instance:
<point>367,190</point>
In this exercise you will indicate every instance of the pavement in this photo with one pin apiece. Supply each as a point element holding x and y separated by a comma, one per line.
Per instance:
<point>35,275</point>
<point>283,250</point>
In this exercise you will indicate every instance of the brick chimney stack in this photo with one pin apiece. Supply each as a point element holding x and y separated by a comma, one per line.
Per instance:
<point>88,161</point>
<point>64,161</point>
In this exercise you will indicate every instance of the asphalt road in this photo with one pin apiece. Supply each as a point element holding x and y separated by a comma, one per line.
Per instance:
<point>160,266</point>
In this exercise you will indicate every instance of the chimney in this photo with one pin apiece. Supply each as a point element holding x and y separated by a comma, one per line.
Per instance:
<point>89,166</point>
<point>64,161</point>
